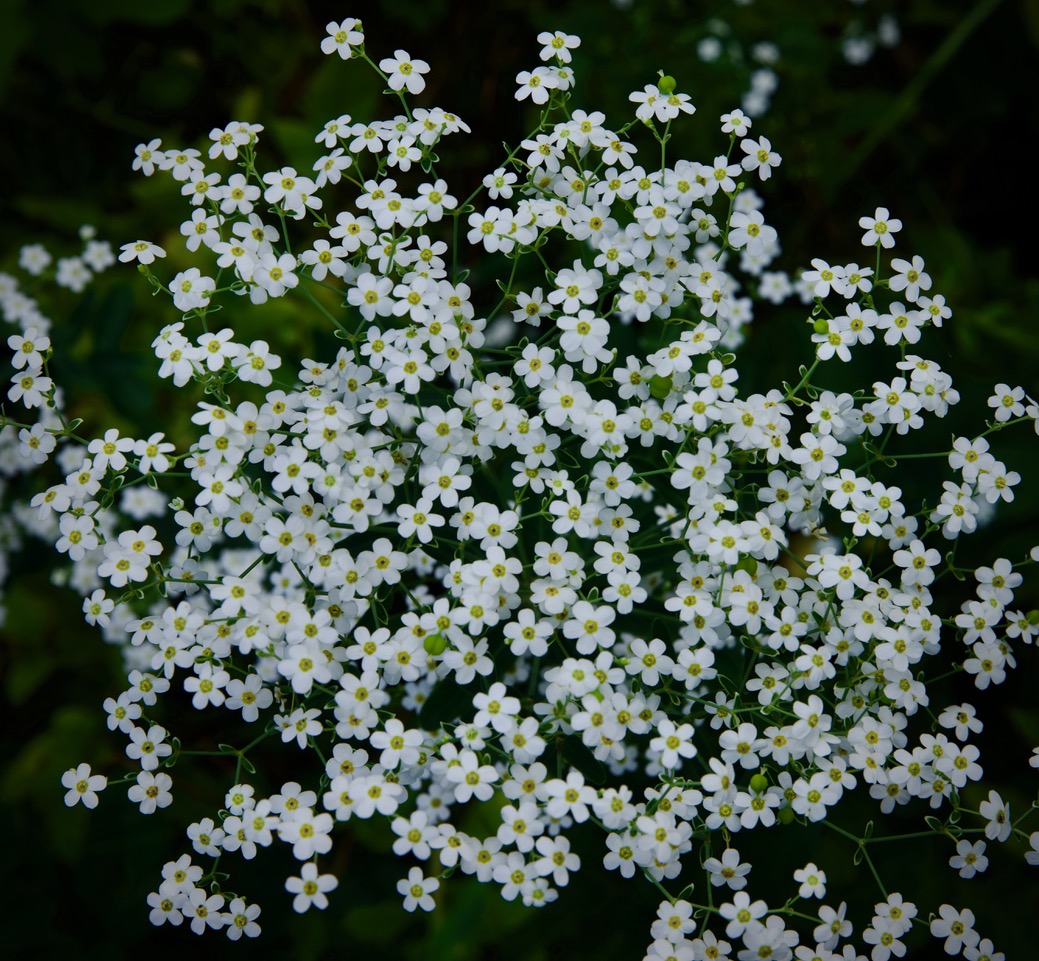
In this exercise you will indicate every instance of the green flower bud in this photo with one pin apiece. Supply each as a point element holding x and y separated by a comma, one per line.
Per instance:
<point>821,326</point>
<point>748,564</point>
<point>666,84</point>
<point>759,784</point>
<point>660,387</point>
<point>1033,617</point>
<point>785,815</point>
<point>435,644</point>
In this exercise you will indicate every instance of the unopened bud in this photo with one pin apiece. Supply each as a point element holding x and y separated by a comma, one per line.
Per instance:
<point>748,564</point>
<point>435,644</point>
<point>666,84</point>
<point>660,387</point>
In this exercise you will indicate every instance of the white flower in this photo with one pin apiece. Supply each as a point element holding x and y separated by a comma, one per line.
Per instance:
<point>728,870</point>
<point>957,927</point>
<point>880,228</point>
<point>151,791</point>
<point>143,251</point>
<point>997,814</point>
<point>82,786</point>
<point>343,37</point>
<point>969,858</point>
<point>418,891</point>
<point>191,290</point>
<point>404,72</point>
<point>310,888</point>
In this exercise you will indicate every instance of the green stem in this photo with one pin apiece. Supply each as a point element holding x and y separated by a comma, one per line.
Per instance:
<point>317,303</point>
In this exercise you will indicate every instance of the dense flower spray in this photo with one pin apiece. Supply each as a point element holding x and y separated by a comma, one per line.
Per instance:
<point>536,549</point>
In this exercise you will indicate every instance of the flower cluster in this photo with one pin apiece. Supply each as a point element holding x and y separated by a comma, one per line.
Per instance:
<point>544,552</point>
<point>27,445</point>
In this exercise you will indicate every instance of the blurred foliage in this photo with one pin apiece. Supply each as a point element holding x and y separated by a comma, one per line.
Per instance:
<point>916,128</point>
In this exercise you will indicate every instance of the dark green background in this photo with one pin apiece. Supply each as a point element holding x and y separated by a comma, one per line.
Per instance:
<point>937,129</point>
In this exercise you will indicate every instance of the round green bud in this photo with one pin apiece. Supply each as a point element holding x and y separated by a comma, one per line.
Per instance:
<point>748,564</point>
<point>660,387</point>
<point>821,326</point>
<point>666,84</point>
<point>785,815</point>
<point>435,644</point>
<point>1033,617</point>
<point>759,784</point>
